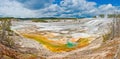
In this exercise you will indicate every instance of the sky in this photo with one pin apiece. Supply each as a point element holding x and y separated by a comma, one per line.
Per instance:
<point>57,8</point>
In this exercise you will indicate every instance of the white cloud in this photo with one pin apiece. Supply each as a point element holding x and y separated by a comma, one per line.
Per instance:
<point>15,9</point>
<point>106,9</point>
<point>36,4</point>
<point>67,8</point>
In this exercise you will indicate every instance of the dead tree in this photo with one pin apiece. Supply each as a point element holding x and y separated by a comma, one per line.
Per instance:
<point>4,37</point>
<point>115,26</point>
<point>5,42</point>
<point>5,31</point>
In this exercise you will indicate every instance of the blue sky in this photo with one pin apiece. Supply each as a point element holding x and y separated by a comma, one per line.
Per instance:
<point>57,8</point>
<point>113,2</point>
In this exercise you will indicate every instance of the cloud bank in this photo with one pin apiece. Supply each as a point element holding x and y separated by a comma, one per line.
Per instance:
<point>46,8</point>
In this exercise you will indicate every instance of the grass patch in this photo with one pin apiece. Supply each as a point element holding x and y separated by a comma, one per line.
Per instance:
<point>106,36</point>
